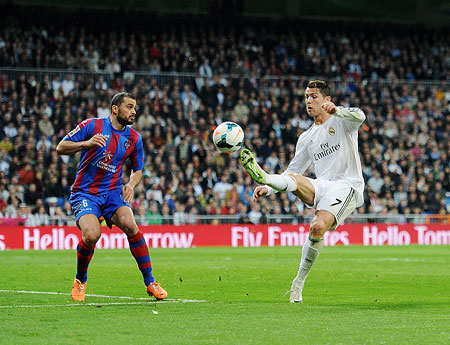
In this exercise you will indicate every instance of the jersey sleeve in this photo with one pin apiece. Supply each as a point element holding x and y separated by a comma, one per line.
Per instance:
<point>354,117</point>
<point>298,165</point>
<point>82,132</point>
<point>301,160</point>
<point>137,156</point>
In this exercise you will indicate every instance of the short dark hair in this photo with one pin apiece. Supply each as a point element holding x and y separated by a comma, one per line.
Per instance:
<point>118,98</point>
<point>322,85</point>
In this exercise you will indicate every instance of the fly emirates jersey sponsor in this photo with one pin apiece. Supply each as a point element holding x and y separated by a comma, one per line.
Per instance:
<point>332,149</point>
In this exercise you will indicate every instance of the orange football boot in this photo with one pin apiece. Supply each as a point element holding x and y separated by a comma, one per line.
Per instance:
<point>78,290</point>
<point>155,289</point>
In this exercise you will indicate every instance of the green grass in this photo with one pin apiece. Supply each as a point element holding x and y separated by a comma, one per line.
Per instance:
<point>354,295</point>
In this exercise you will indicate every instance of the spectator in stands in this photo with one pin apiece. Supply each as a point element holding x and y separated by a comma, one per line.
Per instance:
<point>179,216</point>
<point>242,112</point>
<point>103,109</point>
<point>26,175</point>
<point>4,162</point>
<point>255,213</point>
<point>141,215</point>
<point>67,84</point>
<point>155,194</point>
<point>46,126</point>
<point>41,217</point>
<point>146,120</point>
<point>221,187</point>
<point>154,215</point>
<point>31,195</point>
<point>12,208</point>
<point>10,130</point>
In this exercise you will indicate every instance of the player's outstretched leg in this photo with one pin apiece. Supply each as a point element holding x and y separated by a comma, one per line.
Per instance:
<point>281,183</point>
<point>251,165</point>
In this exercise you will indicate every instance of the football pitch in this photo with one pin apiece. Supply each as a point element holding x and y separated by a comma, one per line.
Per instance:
<point>354,295</point>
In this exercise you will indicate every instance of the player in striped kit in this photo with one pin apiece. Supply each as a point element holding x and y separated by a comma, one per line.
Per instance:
<point>105,144</point>
<point>331,146</point>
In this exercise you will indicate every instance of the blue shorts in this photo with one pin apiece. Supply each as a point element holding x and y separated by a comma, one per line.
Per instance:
<point>99,205</point>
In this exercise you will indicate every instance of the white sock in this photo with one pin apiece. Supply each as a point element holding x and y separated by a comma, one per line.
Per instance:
<point>281,183</point>
<point>310,252</point>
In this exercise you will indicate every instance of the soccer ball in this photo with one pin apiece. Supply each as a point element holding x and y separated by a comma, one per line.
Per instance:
<point>228,137</point>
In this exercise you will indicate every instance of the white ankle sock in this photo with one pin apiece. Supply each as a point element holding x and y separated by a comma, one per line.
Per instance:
<point>310,252</point>
<point>281,183</point>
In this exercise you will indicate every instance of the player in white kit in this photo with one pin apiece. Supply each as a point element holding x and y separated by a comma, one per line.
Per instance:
<point>331,146</point>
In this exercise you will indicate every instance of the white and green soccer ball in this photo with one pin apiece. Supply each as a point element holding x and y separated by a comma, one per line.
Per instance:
<point>228,137</point>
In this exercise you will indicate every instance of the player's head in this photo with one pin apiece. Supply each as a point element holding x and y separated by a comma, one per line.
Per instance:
<point>317,92</point>
<point>321,85</point>
<point>123,106</point>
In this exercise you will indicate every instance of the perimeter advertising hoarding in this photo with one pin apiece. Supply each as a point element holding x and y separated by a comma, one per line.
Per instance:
<point>234,235</point>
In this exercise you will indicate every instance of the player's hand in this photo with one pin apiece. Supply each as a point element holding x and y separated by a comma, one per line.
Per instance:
<point>98,139</point>
<point>128,193</point>
<point>259,192</point>
<point>329,107</point>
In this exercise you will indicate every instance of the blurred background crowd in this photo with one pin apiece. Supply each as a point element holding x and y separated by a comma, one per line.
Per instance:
<point>192,76</point>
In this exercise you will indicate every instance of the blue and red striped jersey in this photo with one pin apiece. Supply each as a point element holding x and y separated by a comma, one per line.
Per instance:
<point>100,168</point>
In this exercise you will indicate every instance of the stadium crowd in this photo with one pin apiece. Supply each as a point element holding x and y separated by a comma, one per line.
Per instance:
<point>213,46</point>
<point>404,142</point>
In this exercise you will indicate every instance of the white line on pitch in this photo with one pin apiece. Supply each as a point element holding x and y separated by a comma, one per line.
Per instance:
<point>71,305</point>
<point>105,296</point>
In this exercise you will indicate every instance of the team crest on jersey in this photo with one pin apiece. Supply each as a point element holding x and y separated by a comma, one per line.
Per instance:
<point>127,144</point>
<point>331,131</point>
<point>73,131</point>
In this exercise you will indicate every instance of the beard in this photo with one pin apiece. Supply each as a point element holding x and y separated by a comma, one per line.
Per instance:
<point>122,120</point>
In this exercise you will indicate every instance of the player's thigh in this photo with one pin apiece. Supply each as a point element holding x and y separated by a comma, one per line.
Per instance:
<point>90,228</point>
<point>84,203</point>
<point>114,201</point>
<point>86,209</point>
<point>123,218</point>
<point>305,189</point>
<point>340,200</point>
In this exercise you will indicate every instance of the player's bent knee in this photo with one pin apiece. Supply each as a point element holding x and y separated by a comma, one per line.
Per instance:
<point>91,238</point>
<point>305,189</point>
<point>318,227</point>
<point>296,177</point>
<point>129,228</point>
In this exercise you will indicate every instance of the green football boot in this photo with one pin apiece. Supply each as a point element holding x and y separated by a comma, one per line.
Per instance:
<point>251,165</point>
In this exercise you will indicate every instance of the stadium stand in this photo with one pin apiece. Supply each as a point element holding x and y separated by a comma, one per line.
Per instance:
<point>191,77</point>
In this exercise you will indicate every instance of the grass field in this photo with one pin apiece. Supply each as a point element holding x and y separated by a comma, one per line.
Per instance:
<point>354,295</point>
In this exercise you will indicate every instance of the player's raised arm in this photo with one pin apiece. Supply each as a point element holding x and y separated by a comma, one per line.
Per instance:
<point>351,114</point>
<point>66,147</point>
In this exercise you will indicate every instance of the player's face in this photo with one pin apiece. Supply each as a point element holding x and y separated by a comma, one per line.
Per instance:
<point>127,111</point>
<point>314,100</point>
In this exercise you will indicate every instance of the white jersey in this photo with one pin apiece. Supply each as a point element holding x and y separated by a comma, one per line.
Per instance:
<point>332,148</point>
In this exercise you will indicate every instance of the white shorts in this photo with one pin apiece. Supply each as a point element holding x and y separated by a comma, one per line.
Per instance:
<point>336,197</point>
